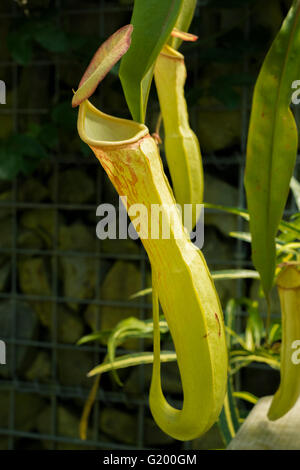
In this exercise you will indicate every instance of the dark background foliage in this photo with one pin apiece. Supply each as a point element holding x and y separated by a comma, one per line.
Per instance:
<point>57,282</point>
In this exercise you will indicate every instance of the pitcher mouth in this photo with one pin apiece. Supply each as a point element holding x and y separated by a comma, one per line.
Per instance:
<point>102,130</point>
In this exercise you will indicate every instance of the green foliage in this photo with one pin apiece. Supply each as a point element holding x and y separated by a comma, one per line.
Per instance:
<point>45,33</point>
<point>251,346</point>
<point>20,153</point>
<point>272,145</point>
<point>127,329</point>
<point>153,23</point>
<point>247,396</point>
<point>254,345</point>
<point>63,115</point>
<point>20,47</point>
<point>289,230</point>
<point>222,274</point>
<point>46,133</point>
<point>229,418</point>
<point>51,37</point>
<point>132,360</point>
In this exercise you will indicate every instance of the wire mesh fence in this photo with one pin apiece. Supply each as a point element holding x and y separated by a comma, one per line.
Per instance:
<point>54,268</point>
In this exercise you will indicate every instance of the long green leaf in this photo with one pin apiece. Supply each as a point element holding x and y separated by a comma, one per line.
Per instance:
<point>290,228</point>
<point>230,319</point>
<point>275,333</point>
<point>247,396</point>
<point>254,327</point>
<point>130,360</point>
<point>232,335</point>
<point>280,246</point>
<point>272,145</point>
<point>97,336</point>
<point>230,210</point>
<point>272,362</point>
<point>153,21</point>
<point>284,226</point>
<point>222,274</point>
<point>229,418</point>
<point>243,236</point>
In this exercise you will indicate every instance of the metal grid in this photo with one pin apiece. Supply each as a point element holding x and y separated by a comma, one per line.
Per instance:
<point>54,392</point>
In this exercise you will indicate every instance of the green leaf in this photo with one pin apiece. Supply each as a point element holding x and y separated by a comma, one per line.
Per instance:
<point>141,293</point>
<point>52,38</point>
<point>229,418</point>
<point>284,226</point>
<point>64,116</point>
<point>20,153</point>
<point>248,357</point>
<point>247,396</point>
<point>292,227</point>
<point>275,333</point>
<point>130,327</point>
<point>254,328</point>
<point>10,163</point>
<point>48,136</point>
<point>281,247</point>
<point>222,274</point>
<point>244,236</point>
<point>153,22</point>
<point>28,146</point>
<point>272,145</point>
<point>130,360</point>
<point>231,210</point>
<point>238,338</point>
<point>183,21</point>
<point>97,336</point>
<point>229,318</point>
<point>20,47</point>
